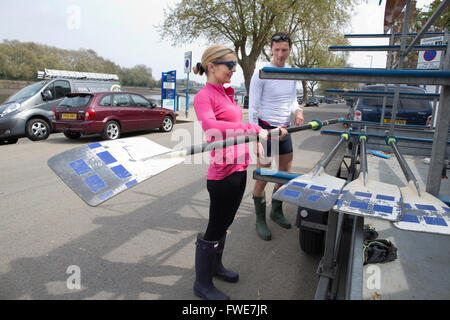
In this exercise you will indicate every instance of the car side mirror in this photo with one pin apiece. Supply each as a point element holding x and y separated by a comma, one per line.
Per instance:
<point>47,95</point>
<point>152,105</point>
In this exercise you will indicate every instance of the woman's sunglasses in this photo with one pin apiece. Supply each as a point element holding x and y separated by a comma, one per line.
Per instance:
<point>229,64</point>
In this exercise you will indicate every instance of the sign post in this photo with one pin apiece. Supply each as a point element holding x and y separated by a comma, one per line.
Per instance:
<point>168,89</point>
<point>187,69</point>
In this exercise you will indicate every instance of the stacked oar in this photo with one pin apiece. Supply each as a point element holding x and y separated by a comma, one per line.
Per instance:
<point>421,211</point>
<point>315,190</point>
<point>408,208</point>
<point>367,197</point>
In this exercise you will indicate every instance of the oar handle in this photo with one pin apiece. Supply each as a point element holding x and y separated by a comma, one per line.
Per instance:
<point>314,125</point>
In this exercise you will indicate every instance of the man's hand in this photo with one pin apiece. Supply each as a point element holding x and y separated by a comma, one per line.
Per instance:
<point>298,120</point>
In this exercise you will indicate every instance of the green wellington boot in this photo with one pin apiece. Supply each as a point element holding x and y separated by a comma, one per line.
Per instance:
<point>276,213</point>
<point>260,210</point>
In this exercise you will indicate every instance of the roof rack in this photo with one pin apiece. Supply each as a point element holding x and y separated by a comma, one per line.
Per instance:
<point>51,74</point>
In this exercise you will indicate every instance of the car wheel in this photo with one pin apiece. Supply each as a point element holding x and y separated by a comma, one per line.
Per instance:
<point>167,124</point>
<point>72,135</point>
<point>37,129</point>
<point>111,130</point>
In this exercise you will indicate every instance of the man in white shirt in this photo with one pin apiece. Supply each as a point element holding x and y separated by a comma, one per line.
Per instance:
<point>272,103</point>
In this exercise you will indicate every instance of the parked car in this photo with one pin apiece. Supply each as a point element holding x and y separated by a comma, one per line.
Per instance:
<point>28,113</point>
<point>109,114</point>
<point>411,111</point>
<point>312,102</point>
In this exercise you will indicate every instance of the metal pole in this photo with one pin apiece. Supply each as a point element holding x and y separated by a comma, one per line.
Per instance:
<point>402,56</point>
<point>388,66</point>
<point>440,137</point>
<point>187,96</point>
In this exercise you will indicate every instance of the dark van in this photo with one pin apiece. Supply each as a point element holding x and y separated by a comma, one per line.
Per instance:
<point>28,113</point>
<point>411,111</point>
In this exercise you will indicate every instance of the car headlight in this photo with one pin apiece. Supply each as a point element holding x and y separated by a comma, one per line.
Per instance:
<point>11,108</point>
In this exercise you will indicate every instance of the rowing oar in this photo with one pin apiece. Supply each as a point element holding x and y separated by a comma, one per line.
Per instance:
<point>369,198</point>
<point>99,171</point>
<point>314,125</point>
<point>314,190</point>
<point>421,211</point>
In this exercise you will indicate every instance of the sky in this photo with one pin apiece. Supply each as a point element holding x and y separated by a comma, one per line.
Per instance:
<point>124,31</point>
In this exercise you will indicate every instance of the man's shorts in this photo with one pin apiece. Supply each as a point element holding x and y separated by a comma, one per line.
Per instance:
<point>275,146</point>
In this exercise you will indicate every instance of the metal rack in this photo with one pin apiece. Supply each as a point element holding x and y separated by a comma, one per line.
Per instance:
<point>344,233</point>
<point>52,74</point>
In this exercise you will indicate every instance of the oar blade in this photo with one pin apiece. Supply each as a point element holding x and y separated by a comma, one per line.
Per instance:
<point>370,200</point>
<point>316,192</point>
<point>424,213</point>
<point>99,171</point>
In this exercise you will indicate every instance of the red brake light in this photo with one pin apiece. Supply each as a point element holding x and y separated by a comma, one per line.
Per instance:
<point>358,115</point>
<point>89,115</point>
<point>54,114</point>
<point>428,124</point>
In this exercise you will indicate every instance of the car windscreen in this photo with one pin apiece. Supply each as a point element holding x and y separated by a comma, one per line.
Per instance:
<point>76,101</point>
<point>27,92</point>
<point>407,104</point>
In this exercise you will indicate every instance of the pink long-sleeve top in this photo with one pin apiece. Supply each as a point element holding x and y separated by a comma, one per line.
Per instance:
<point>221,118</point>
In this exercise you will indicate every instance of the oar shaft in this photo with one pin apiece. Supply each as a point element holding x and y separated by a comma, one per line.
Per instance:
<point>220,144</point>
<point>401,160</point>
<point>244,139</point>
<point>404,165</point>
<point>363,156</point>
<point>333,152</point>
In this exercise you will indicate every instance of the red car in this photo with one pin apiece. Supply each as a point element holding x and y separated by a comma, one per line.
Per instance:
<point>110,114</point>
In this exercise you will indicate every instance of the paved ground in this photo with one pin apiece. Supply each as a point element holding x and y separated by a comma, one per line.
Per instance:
<point>140,244</point>
<point>422,269</point>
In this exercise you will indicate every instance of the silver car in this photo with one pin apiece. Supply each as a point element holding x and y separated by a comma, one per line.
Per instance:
<point>29,112</point>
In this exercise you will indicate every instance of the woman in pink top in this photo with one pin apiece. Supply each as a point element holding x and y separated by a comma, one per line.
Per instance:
<point>221,118</point>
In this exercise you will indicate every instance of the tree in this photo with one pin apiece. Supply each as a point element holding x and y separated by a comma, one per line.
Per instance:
<point>22,60</point>
<point>440,24</point>
<point>247,25</point>
<point>315,26</point>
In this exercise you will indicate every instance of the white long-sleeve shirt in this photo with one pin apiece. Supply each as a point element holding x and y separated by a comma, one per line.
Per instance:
<point>273,101</point>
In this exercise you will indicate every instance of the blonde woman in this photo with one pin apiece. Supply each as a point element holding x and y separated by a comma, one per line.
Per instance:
<point>221,118</point>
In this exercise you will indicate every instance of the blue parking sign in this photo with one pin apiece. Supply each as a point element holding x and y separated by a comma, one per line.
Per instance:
<point>168,89</point>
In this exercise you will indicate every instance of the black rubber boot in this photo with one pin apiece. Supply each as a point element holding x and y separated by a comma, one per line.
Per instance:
<point>221,271</point>
<point>205,264</point>
<point>260,209</point>
<point>276,213</point>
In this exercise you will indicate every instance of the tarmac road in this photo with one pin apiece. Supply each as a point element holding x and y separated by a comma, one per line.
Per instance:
<point>140,244</point>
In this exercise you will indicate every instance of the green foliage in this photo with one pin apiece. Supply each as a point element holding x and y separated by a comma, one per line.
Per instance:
<point>248,25</point>
<point>440,24</point>
<point>22,60</point>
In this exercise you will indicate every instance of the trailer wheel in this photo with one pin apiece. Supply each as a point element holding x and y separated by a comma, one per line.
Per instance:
<point>311,240</point>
